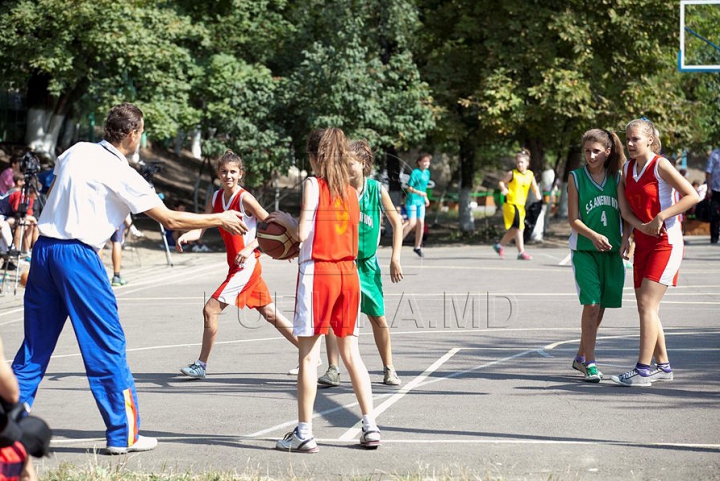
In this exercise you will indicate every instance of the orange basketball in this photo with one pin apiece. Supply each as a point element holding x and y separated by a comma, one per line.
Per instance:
<point>275,241</point>
<point>23,278</point>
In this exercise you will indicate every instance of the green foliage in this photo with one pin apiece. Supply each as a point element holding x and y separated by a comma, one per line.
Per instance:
<point>356,73</point>
<point>238,105</point>
<point>108,51</point>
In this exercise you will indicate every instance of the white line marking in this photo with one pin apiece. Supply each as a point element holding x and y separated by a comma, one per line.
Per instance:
<point>354,431</point>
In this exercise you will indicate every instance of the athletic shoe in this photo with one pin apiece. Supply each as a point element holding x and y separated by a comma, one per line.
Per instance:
<point>143,443</point>
<point>524,256</point>
<point>135,232</point>
<point>118,281</point>
<point>10,266</point>
<point>578,366</point>
<point>370,439</point>
<point>194,370</point>
<point>294,371</point>
<point>592,374</point>
<point>632,378</point>
<point>292,443</point>
<point>391,378</point>
<point>331,377</point>
<point>658,374</point>
<point>419,252</point>
<point>200,248</point>
<point>500,250</point>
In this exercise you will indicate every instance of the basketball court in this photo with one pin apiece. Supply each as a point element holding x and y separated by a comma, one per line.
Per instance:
<point>483,347</point>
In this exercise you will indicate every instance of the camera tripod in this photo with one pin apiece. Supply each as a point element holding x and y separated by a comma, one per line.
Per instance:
<point>27,191</point>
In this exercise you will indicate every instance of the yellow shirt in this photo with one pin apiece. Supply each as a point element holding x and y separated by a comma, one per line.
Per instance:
<point>518,187</point>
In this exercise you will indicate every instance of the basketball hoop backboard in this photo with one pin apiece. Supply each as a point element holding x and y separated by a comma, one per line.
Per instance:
<point>699,31</point>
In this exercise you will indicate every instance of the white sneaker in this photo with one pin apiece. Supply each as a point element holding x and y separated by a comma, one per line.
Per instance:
<point>370,439</point>
<point>143,443</point>
<point>292,443</point>
<point>294,371</point>
<point>135,232</point>
<point>658,374</point>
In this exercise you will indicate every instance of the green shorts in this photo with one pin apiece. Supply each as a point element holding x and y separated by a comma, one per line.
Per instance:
<point>372,301</point>
<point>599,277</point>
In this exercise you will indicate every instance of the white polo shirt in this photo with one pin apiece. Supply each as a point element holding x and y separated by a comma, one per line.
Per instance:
<point>94,191</point>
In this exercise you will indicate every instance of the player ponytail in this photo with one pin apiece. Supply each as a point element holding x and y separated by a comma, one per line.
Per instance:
<point>362,151</point>
<point>329,149</point>
<point>609,140</point>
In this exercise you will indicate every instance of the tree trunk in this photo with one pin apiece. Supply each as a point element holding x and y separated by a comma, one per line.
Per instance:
<point>43,128</point>
<point>196,147</point>
<point>537,155</point>
<point>47,114</point>
<point>571,163</point>
<point>466,221</point>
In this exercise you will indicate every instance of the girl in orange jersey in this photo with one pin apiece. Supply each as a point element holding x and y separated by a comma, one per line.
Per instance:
<point>328,287</point>
<point>244,285</point>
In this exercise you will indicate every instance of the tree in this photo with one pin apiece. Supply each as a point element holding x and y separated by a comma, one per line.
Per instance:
<point>356,72</point>
<point>539,73</point>
<point>98,52</point>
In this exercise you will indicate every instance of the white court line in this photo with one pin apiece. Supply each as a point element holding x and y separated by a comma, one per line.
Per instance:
<point>354,431</point>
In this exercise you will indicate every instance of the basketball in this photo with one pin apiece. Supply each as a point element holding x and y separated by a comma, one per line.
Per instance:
<point>275,241</point>
<point>23,278</point>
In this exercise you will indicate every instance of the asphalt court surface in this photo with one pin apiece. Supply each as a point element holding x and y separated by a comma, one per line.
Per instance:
<point>483,347</point>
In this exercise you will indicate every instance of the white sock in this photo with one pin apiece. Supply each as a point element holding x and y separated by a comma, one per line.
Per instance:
<point>368,422</point>
<point>203,364</point>
<point>304,430</point>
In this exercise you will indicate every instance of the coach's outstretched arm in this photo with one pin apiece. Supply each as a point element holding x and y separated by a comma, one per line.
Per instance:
<point>229,220</point>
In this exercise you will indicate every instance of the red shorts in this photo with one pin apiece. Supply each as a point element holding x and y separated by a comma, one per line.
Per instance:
<point>657,260</point>
<point>328,295</point>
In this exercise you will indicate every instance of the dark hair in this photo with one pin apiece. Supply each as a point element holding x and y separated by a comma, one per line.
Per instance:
<point>121,120</point>
<point>609,140</point>
<point>230,157</point>
<point>362,151</point>
<point>329,148</point>
<point>524,153</point>
<point>421,156</point>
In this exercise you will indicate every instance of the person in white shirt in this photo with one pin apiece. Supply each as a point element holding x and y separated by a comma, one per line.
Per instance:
<point>93,192</point>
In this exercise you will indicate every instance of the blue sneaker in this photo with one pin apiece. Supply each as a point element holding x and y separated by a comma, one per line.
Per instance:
<point>194,370</point>
<point>632,378</point>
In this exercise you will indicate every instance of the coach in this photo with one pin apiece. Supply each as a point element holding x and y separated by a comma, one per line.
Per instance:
<point>95,189</point>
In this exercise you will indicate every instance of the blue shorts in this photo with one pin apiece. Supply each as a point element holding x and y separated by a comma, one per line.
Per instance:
<point>415,210</point>
<point>118,234</point>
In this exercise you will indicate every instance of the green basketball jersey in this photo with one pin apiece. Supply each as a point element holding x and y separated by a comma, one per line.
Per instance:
<point>370,211</point>
<point>598,208</point>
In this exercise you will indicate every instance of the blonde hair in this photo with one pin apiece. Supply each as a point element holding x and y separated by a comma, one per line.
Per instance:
<point>524,153</point>
<point>649,129</point>
<point>363,153</point>
<point>609,140</point>
<point>329,148</point>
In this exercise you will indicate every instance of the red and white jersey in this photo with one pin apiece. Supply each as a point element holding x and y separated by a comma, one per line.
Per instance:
<point>235,243</point>
<point>334,233</point>
<point>648,194</point>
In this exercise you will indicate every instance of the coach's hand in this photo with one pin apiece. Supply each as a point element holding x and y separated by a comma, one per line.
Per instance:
<point>233,223</point>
